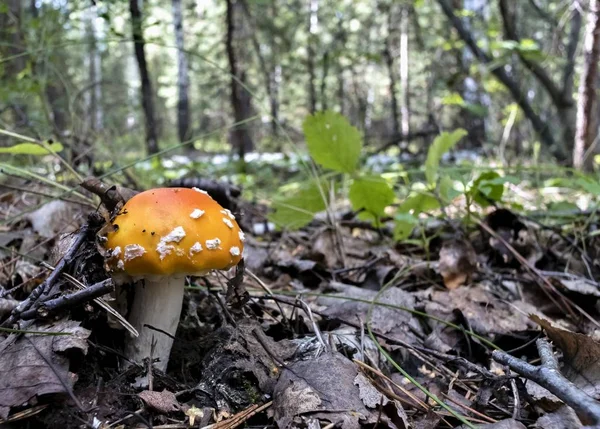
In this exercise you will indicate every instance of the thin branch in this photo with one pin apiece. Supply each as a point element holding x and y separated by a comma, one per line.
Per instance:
<point>548,376</point>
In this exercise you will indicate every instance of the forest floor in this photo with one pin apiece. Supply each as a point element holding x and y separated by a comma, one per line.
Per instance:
<point>460,326</point>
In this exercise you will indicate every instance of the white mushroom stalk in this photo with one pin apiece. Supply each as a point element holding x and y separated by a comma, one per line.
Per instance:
<point>157,304</point>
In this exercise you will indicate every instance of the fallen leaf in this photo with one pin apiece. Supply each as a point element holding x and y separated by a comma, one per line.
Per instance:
<point>54,217</point>
<point>396,322</point>
<point>322,388</point>
<point>164,402</point>
<point>25,374</point>
<point>503,424</point>
<point>457,262</point>
<point>581,356</point>
<point>562,418</point>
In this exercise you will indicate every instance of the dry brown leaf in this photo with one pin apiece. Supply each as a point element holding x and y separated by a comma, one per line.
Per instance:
<point>164,402</point>
<point>24,372</point>
<point>322,388</point>
<point>457,262</point>
<point>581,355</point>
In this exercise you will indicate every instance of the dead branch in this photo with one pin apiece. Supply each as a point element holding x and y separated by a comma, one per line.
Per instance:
<point>549,377</point>
<point>42,290</point>
<point>44,309</point>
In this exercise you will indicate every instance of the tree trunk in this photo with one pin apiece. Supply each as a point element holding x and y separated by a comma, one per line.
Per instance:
<point>313,22</point>
<point>11,30</point>
<point>498,71</point>
<point>587,106</point>
<point>271,72</point>
<point>341,89</point>
<point>324,81</point>
<point>404,83</point>
<point>146,88</point>
<point>241,103</point>
<point>94,71</point>
<point>562,98</point>
<point>183,81</point>
<point>389,62</point>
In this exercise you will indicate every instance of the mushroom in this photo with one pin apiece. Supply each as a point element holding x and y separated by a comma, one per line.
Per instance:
<point>160,236</point>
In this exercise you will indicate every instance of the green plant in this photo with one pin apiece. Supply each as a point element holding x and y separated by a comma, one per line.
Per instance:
<point>335,145</point>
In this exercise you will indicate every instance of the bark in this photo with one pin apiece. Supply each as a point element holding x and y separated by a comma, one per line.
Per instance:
<point>498,71</point>
<point>11,31</point>
<point>341,89</point>
<point>94,71</point>
<point>183,81</point>
<point>54,92</point>
<point>561,95</point>
<point>313,20</point>
<point>389,62</point>
<point>404,83</point>
<point>146,87</point>
<point>324,81</point>
<point>587,117</point>
<point>271,71</point>
<point>241,103</point>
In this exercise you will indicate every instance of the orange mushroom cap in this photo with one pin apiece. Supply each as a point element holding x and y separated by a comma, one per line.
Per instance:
<point>167,231</point>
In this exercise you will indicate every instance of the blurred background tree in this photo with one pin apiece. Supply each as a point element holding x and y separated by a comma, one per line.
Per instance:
<point>115,80</point>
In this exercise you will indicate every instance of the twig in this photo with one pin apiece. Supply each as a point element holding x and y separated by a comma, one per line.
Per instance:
<point>71,300</point>
<point>45,287</point>
<point>549,377</point>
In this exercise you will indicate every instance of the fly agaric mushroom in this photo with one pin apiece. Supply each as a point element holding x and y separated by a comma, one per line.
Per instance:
<point>160,236</point>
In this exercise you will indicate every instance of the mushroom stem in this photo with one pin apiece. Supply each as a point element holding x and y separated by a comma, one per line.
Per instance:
<point>157,303</point>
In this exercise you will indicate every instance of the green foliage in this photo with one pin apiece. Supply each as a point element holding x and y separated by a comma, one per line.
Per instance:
<point>488,188</point>
<point>442,144</point>
<point>372,194</point>
<point>408,213</point>
<point>299,208</point>
<point>32,149</point>
<point>332,141</point>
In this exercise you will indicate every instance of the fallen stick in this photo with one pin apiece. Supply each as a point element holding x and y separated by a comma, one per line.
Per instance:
<point>44,309</point>
<point>549,377</point>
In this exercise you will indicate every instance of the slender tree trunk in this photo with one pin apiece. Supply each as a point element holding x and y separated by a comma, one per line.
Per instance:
<point>341,89</point>
<point>183,81</point>
<point>568,112</point>
<point>241,103</point>
<point>324,81</point>
<point>146,88</point>
<point>540,127</point>
<point>404,82</point>
<point>11,30</point>
<point>54,94</point>
<point>313,22</point>
<point>587,106</point>
<point>562,98</point>
<point>389,62</point>
<point>388,55</point>
<point>271,72</point>
<point>94,71</point>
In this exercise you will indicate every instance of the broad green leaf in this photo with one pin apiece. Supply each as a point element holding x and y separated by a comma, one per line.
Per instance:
<point>446,189</point>
<point>371,193</point>
<point>408,213</point>
<point>419,203</point>
<point>487,188</point>
<point>297,210</point>
<point>404,225</point>
<point>442,144</point>
<point>332,141</point>
<point>31,149</point>
<point>588,185</point>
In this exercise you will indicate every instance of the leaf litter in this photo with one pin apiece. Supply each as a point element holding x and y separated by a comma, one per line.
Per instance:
<point>301,352</point>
